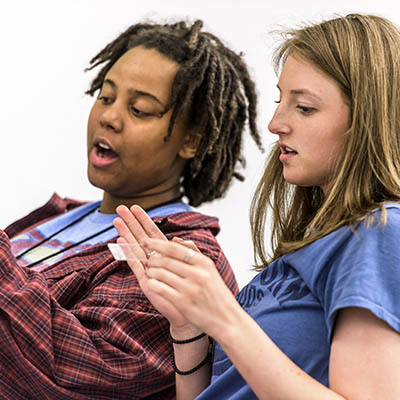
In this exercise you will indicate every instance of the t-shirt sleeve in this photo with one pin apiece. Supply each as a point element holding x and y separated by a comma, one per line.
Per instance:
<point>366,273</point>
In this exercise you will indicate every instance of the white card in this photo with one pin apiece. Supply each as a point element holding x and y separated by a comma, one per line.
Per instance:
<point>127,252</point>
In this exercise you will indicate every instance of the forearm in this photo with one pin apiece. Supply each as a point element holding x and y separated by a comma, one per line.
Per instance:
<point>202,297</point>
<point>187,356</point>
<point>267,370</point>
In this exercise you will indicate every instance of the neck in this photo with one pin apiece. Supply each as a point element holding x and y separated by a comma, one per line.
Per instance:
<point>145,200</point>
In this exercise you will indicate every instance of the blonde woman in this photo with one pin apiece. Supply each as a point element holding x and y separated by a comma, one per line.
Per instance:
<point>322,318</point>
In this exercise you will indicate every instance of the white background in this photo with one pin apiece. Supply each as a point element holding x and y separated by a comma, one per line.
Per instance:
<point>45,46</point>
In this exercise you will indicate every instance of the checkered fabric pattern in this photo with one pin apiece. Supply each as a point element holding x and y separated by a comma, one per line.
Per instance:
<point>82,328</point>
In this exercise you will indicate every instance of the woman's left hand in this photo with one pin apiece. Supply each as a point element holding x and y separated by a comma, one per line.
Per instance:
<point>190,281</point>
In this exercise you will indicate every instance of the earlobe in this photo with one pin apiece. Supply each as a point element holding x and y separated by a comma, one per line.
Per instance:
<point>190,146</point>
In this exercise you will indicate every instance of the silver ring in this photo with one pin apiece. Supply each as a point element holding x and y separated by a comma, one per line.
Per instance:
<point>189,256</point>
<point>150,253</point>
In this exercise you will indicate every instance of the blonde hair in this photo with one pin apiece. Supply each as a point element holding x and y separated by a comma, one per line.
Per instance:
<point>362,54</point>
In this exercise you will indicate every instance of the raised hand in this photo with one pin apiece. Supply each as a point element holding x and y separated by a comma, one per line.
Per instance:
<point>135,227</point>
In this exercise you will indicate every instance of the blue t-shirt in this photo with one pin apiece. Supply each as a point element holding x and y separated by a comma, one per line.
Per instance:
<point>86,230</point>
<point>296,299</point>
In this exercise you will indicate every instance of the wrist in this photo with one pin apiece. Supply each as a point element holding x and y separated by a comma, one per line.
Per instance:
<point>226,331</point>
<point>186,341</point>
<point>184,332</point>
<point>206,360</point>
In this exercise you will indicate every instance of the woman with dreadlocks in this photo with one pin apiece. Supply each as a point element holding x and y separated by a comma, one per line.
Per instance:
<point>322,318</point>
<point>168,121</point>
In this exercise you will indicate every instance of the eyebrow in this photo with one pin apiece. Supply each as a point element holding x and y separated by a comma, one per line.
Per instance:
<point>134,92</point>
<point>303,91</point>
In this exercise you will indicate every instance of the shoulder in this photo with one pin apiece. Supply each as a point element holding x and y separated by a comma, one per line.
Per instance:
<point>194,226</point>
<point>202,230</point>
<point>191,222</point>
<point>55,206</point>
<point>378,226</point>
<point>380,230</point>
<point>364,252</point>
<point>388,216</point>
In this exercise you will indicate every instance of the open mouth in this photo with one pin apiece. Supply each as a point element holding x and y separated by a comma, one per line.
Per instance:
<point>102,155</point>
<point>104,151</point>
<point>287,150</point>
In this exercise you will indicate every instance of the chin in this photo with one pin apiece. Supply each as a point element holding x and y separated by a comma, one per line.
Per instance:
<point>101,183</point>
<point>292,180</point>
<point>297,182</point>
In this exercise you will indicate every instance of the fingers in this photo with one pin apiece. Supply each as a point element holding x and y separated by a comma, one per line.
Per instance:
<point>132,224</point>
<point>168,277</point>
<point>160,262</point>
<point>135,265</point>
<point>123,230</point>
<point>174,250</point>
<point>165,272</point>
<point>179,259</point>
<point>147,224</point>
<point>188,243</point>
<point>135,225</point>
<point>164,291</point>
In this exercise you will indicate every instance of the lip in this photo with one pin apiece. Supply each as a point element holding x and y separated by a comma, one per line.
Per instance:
<point>99,140</point>
<point>285,156</point>
<point>101,162</point>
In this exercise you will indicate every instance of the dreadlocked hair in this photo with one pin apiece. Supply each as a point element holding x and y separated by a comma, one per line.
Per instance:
<point>213,86</point>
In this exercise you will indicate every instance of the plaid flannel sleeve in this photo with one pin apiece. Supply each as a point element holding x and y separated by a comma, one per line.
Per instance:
<point>91,334</point>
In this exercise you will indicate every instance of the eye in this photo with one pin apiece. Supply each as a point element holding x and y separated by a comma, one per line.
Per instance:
<point>105,100</point>
<point>306,110</point>
<point>277,101</point>
<point>138,113</point>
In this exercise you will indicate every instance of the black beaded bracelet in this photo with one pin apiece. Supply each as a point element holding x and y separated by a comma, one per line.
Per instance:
<point>197,367</point>
<point>193,339</point>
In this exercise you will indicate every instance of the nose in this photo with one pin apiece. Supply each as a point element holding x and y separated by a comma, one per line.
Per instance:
<point>111,119</point>
<point>278,124</point>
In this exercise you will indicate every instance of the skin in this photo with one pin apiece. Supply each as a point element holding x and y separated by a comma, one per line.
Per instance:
<point>311,118</point>
<point>193,297</point>
<point>126,118</point>
<point>135,227</point>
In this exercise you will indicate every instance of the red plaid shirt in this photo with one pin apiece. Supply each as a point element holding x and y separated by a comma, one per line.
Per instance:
<point>82,329</point>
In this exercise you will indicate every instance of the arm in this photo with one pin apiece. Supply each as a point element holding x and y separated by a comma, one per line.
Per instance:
<point>83,330</point>
<point>135,227</point>
<point>188,356</point>
<point>365,357</point>
<point>202,298</point>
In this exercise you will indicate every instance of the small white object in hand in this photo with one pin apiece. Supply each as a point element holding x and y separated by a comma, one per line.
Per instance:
<point>126,252</point>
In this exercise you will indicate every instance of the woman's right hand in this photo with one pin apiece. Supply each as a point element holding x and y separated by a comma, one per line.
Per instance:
<point>135,227</point>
